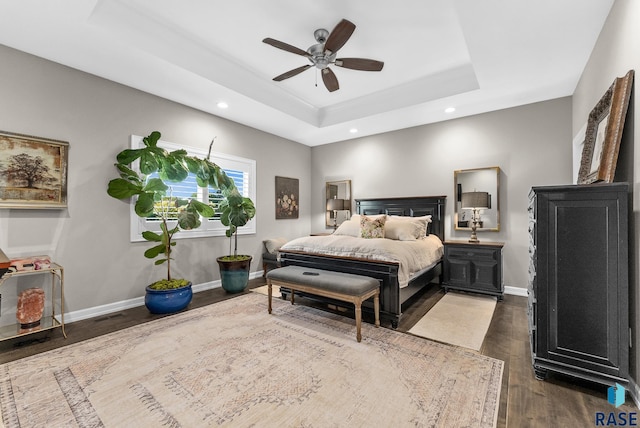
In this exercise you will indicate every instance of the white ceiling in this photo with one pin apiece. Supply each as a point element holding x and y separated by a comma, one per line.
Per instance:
<point>474,55</point>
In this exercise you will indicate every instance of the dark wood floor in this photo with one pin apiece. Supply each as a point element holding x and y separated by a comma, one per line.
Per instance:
<point>524,401</point>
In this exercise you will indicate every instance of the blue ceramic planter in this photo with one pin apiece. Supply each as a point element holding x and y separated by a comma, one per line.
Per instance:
<point>168,301</point>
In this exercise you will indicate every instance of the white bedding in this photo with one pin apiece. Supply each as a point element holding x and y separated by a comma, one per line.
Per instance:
<point>412,256</point>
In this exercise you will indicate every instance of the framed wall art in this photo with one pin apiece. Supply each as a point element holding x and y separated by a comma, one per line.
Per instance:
<point>604,133</point>
<point>33,172</point>
<point>287,197</point>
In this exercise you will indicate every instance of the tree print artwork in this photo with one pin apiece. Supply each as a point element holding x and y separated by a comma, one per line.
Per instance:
<point>33,172</point>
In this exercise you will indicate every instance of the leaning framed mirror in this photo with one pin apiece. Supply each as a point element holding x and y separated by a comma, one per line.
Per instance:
<point>477,189</point>
<point>338,202</point>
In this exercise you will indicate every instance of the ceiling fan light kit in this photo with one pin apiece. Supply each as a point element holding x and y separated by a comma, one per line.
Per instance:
<point>323,54</point>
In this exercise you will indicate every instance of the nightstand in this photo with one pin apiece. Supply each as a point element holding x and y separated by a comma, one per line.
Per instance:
<point>475,267</point>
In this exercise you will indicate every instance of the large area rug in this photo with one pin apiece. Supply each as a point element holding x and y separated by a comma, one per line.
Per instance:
<point>458,319</point>
<point>232,364</point>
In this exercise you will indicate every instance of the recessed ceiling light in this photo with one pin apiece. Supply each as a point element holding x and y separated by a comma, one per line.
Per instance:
<point>449,109</point>
<point>223,105</point>
<point>353,130</point>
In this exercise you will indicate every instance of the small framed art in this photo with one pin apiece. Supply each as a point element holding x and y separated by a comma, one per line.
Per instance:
<point>287,197</point>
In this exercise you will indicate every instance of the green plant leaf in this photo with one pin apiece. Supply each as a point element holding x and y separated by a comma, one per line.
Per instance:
<point>144,204</point>
<point>120,188</point>
<point>129,174</point>
<point>152,139</point>
<point>173,170</point>
<point>188,219</point>
<point>154,252</point>
<point>156,185</point>
<point>149,162</point>
<point>205,210</point>
<point>127,156</point>
<point>151,236</point>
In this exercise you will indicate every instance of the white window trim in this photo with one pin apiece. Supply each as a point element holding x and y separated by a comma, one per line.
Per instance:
<point>208,227</point>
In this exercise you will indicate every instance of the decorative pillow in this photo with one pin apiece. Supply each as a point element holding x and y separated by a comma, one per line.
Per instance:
<point>372,228</point>
<point>273,245</point>
<point>403,230</point>
<point>349,228</point>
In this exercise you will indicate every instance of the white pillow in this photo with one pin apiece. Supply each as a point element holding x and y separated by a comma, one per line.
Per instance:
<point>349,228</point>
<point>403,230</point>
<point>422,221</point>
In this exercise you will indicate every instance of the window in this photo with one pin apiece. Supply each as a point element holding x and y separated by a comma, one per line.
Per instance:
<point>241,170</point>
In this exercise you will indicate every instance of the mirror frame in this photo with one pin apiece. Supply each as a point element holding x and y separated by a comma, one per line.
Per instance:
<point>343,214</point>
<point>493,191</point>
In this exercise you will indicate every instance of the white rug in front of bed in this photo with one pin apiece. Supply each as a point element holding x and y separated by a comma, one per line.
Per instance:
<point>458,319</point>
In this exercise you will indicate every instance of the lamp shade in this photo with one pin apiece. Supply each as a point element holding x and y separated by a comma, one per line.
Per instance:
<point>475,200</point>
<point>335,204</point>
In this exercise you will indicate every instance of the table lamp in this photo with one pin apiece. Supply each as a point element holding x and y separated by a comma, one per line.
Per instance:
<point>335,205</point>
<point>475,201</point>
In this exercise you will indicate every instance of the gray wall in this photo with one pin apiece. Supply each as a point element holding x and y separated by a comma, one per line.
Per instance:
<point>91,238</point>
<point>531,144</point>
<point>616,52</point>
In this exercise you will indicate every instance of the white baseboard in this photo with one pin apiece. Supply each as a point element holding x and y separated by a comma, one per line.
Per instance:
<point>110,308</point>
<point>516,291</point>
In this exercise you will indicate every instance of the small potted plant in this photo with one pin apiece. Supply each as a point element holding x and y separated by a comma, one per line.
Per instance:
<point>235,211</point>
<point>160,168</point>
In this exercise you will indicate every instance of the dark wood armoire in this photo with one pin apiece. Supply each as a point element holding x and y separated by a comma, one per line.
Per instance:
<point>578,281</point>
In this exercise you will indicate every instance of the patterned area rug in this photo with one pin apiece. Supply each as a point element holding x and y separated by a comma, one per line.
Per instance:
<point>232,364</point>
<point>458,319</point>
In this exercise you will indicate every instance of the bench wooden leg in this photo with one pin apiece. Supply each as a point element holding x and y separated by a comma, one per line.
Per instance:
<point>376,308</point>
<point>358,321</point>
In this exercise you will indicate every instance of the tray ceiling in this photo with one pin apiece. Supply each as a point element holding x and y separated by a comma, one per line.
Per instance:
<point>476,56</point>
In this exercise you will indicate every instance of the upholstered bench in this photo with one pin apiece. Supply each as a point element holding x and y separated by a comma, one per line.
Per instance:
<point>345,287</point>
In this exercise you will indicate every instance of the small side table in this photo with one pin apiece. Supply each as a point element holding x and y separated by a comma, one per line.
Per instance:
<point>49,320</point>
<point>474,267</point>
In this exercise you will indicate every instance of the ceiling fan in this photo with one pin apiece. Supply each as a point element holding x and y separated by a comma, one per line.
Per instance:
<point>324,54</point>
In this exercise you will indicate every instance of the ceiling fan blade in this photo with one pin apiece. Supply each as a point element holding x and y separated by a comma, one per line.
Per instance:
<point>339,36</point>
<point>330,80</point>
<point>291,73</point>
<point>285,46</point>
<point>363,64</point>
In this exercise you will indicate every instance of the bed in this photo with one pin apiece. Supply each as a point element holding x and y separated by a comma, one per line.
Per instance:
<point>397,285</point>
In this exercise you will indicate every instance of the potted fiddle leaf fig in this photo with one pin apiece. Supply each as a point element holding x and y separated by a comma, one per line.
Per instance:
<point>235,211</point>
<point>159,169</point>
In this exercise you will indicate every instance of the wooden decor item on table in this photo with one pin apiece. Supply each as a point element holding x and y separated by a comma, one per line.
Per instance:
<point>30,307</point>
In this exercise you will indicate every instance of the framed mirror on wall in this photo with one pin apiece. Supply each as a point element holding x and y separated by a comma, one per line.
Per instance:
<point>338,202</point>
<point>477,189</point>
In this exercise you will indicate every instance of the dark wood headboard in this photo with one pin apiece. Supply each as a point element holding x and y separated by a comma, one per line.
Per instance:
<point>414,207</point>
